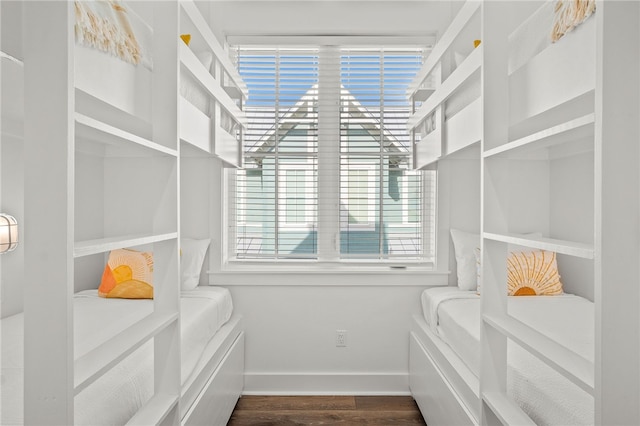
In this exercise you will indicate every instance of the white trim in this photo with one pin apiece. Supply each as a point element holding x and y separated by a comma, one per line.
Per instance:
<point>371,180</point>
<point>326,384</point>
<point>309,199</point>
<point>329,40</point>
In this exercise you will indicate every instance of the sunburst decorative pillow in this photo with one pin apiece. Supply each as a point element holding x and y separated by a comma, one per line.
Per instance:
<point>533,273</point>
<point>128,275</point>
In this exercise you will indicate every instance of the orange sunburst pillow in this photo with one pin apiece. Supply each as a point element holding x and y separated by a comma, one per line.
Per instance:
<point>533,273</point>
<point>128,275</point>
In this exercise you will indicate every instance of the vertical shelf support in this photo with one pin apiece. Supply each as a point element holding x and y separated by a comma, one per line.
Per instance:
<point>617,295</point>
<point>49,212</point>
<point>495,98</point>
<point>165,119</point>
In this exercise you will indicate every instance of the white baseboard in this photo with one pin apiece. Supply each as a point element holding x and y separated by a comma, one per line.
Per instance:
<point>326,384</point>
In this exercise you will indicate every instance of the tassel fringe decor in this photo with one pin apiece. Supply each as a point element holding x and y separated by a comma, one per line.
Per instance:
<point>103,24</point>
<point>569,14</point>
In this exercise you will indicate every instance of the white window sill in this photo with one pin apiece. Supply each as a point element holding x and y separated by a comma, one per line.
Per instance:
<point>328,274</point>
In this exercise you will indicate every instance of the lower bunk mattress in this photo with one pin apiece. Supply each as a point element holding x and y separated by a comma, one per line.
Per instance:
<point>116,396</point>
<point>545,395</point>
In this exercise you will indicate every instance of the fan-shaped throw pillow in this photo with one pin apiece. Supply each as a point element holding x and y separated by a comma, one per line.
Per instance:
<point>533,273</point>
<point>128,275</point>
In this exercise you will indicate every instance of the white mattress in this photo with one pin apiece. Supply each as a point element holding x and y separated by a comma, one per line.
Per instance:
<point>545,395</point>
<point>117,395</point>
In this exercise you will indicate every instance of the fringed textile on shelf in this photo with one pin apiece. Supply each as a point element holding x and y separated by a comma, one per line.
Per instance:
<point>104,25</point>
<point>569,14</point>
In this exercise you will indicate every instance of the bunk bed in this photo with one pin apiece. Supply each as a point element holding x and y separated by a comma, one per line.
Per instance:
<point>547,108</point>
<point>103,140</point>
<point>116,396</point>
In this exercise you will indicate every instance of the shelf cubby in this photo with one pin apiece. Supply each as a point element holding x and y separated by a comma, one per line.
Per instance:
<point>92,365</point>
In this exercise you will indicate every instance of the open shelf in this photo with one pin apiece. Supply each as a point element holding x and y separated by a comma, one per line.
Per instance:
<point>460,21</point>
<point>195,130</point>
<point>566,362</point>
<point>94,364</point>
<point>97,131</point>
<point>104,245</point>
<point>90,106</point>
<point>507,411</point>
<point>191,10</point>
<point>460,75</point>
<point>576,129</point>
<point>571,248</point>
<point>422,94</point>
<point>191,63</point>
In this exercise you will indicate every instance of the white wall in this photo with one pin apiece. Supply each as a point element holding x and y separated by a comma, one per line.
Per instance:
<point>291,317</point>
<point>291,332</point>
<point>571,217</point>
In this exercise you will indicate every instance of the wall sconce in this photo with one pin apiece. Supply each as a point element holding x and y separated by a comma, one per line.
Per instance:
<point>8,233</point>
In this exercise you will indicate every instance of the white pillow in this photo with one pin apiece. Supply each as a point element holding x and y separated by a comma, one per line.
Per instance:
<point>464,244</point>
<point>192,254</point>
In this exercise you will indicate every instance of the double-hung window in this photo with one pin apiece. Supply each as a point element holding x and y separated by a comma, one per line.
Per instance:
<point>328,171</point>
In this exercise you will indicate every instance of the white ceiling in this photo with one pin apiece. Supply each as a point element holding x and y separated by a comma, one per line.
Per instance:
<point>246,20</point>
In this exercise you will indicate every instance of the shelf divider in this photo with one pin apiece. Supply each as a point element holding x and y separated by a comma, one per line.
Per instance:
<point>103,245</point>
<point>571,248</point>
<point>565,132</point>
<point>566,362</point>
<point>99,131</point>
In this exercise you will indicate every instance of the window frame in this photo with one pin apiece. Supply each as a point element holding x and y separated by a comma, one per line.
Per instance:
<point>427,260</point>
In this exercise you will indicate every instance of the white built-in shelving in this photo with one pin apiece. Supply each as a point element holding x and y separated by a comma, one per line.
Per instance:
<point>211,136</point>
<point>570,248</point>
<point>449,75</point>
<point>579,129</point>
<point>97,178</point>
<point>573,128</point>
<point>103,168</point>
<point>89,129</point>
<point>557,152</point>
<point>571,365</point>
<point>466,70</point>
<point>105,245</point>
<point>92,365</point>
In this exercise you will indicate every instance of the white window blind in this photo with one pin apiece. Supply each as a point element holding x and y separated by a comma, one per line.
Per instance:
<point>327,158</point>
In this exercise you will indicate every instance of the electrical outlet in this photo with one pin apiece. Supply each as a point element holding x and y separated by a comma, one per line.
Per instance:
<point>341,338</point>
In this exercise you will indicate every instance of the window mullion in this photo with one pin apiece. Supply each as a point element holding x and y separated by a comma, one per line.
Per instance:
<point>329,154</point>
<point>380,223</point>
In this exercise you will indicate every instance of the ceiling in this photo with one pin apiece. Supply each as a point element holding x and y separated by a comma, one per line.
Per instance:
<point>249,21</point>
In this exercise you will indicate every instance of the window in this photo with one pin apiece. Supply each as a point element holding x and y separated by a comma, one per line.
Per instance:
<point>359,192</point>
<point>328,159</point>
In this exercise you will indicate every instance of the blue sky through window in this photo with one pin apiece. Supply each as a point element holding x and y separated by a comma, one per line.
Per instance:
<point>360,75</point>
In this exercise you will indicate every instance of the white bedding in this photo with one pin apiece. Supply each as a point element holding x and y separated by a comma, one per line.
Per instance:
<point>546,396</point>
<point>117,395</point>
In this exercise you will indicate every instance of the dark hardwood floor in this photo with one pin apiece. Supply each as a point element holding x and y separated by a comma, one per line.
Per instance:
<point>326,410</point>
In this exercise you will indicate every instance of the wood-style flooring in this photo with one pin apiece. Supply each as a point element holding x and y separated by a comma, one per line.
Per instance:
<point>326,410</point>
